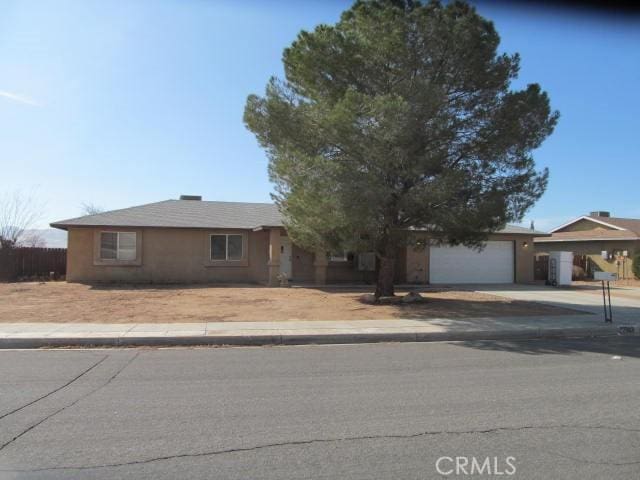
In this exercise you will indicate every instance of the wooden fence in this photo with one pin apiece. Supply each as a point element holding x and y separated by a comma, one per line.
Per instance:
<point>32,263</point>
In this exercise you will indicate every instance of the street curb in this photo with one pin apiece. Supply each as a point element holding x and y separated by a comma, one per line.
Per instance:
<point>315,339</point>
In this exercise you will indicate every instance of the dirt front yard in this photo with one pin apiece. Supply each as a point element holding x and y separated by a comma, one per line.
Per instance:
<point>66,302</point>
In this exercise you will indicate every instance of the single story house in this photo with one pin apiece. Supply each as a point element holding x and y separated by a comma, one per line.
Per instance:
<point>598,241</point>
<point>190,241</point>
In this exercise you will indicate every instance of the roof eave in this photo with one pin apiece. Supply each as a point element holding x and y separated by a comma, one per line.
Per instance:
<point>66,226</point>
<point>527,233</point>
<point>589,239</point>
<point>260,228</point>
<point>591,219</point>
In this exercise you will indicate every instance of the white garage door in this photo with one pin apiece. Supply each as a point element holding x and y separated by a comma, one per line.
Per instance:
<point>460,264</point>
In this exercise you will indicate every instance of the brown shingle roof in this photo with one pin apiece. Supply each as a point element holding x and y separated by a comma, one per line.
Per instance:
<point>183,214</point>
<point>631,224</point>
<point>202,214</point>
<point>586,235</point>
<point>630,230</point>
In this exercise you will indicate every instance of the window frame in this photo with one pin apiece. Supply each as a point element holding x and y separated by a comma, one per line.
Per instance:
<point>117,258</point>
<point>226,247</point>
<point>337,258</point>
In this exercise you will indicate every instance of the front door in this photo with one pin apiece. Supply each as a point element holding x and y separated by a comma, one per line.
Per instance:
<point>285,256</point>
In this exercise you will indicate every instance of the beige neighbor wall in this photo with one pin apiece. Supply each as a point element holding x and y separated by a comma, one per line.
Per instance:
<point>584,225</point>
<point>167,255</point>
<point>594,251</point>
<point>417,265</point>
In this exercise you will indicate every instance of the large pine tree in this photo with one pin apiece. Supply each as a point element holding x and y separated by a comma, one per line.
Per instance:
<point>400,116</point>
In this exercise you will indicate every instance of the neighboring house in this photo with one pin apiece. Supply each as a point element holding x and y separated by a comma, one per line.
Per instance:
<point>190,241</point>
<point>598,241</point>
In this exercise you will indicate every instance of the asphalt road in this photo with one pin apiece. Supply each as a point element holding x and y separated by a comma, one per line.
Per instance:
<point>560,409</point>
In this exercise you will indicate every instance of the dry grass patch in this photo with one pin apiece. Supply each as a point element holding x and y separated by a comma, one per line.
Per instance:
<point>75,303</point>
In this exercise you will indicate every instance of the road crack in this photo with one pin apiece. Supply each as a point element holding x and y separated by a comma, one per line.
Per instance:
<point>27,430</point>
<point>333,440</point>
<point>54,391</point>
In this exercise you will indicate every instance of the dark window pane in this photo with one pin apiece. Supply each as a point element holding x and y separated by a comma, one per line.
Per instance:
<point>218,247</point>
<point>235,247</point>
<point>338,256</point>
<point>108,245</point>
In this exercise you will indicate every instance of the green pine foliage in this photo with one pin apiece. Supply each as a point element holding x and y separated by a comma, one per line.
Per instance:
<point>400,116</point>
<point>636,265</point>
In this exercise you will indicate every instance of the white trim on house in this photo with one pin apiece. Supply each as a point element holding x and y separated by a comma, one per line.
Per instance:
<point>586,217</point>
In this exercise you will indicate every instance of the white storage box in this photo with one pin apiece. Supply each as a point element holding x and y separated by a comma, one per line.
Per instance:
<point>563,270</point>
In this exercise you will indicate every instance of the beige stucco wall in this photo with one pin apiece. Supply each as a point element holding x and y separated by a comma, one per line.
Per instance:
<point>167,256</point>
<point>524,255</point>
<point>347,272</point>
<point>302,269</point>
<point>587,248</point>
<point>417,263</point>
<point>417,258</point>
<point>583,225</point>
<point>593,249</point>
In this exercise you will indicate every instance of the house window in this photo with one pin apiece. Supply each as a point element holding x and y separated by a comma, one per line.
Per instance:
<point>367,261</point>
<point>118,246</point>
<point>338,256</point>
<point>226,247</point>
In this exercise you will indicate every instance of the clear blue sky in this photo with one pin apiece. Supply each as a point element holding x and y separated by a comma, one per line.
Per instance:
<point>124,103</point>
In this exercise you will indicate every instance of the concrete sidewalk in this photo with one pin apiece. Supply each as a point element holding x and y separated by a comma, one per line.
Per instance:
<point>35,335</point>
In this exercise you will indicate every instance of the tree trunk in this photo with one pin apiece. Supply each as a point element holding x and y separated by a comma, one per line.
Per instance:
<point>386,272</point>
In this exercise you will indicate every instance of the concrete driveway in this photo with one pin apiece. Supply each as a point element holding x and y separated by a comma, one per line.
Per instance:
<point>626,308</point>
<point>595,288</point>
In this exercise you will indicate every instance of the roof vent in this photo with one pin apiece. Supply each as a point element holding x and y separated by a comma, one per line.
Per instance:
<point>600,213</point>
<point>190,197</point>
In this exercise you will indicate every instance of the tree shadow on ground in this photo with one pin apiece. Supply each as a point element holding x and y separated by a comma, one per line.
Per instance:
<point>460,308</point>
<point>336,288</point>
<point>614,346</point>
<point>168,286</point>
<point>363,288</point>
